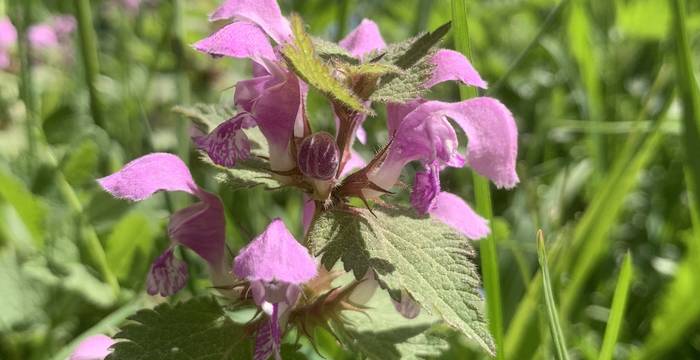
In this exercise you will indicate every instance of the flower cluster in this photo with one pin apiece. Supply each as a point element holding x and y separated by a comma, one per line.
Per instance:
<point>275,272</point>
<point>42,37</point>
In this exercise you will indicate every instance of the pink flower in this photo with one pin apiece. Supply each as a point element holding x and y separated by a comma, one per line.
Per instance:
<point>200,227</point>
<point>52,33</point>
<point>423,133</point>
<point>8,38</point>
<point>276,265</point>
<point>95,347</point>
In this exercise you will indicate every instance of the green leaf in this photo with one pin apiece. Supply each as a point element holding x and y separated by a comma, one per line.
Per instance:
<point>419,255</point>
<point>328,50</point>
<point>247,174</point>
<point>373,69</point>
<point>22,300</point>
<point>552,315</point>
<point>406,86</point>
<point>30,209</point>
<point>412,55</point>
<point>302,58</point>
<point>421,46</point>
<point>383,334</point>
<point>643,19</point>
<point>80,165</point>
<point>196,329</point>
<point>133,233</point>
<point>206,116</point>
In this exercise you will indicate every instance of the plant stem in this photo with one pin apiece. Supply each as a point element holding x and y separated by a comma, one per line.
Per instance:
<point>23,14</point>
<point>552,315</point>
<point>88,51</point>
<point>488,249</point>
<point>617,309</point>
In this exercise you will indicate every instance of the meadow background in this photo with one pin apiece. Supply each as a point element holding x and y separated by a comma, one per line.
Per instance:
<point>604,93</point>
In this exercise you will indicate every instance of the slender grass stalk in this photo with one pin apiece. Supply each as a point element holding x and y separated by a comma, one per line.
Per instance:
<point>593,227</point>
<point>552,315</point>
<point>488,249</point>
<point>552,16</point>
<point>88,51</point>
<point>183,83</point>
<point>690,100</point>
<point>23,14</point>
<point>617,310</point>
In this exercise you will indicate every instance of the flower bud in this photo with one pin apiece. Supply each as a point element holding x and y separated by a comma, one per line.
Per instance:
<point>318,156</point>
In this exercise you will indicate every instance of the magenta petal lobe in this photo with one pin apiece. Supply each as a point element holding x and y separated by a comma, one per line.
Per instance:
<point>227,144</point>
<point>364,39</point>
<point>264,13</point>
<point>426,188</point>
<point>275,255</point>
<point>452,65</point>
<point>202,228</point>
<point>454,212</point>
<point>95,347</point>
<point>407,307</point>
<point>148,174</point>
<point>167,276</point>
<point>238,40</point>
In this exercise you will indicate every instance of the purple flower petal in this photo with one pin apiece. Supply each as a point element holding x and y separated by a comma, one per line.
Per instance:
<point>8,33</point>
<point>148,174</point>
<point>426,188</point>
<point>267,340</point>
<point>452,65</point>
<point>42,36</point>
<point>275,255</point>
<point>238,40</point>
<point>308,213</point>
<point>396,113</point>
<point>364,39</point>
<point>493,138</point>
<point>407,307</point>
<point>227,144</point>
<point>167,275</point>
<point>95,347</point>
<point>356,162</point>
<point>264,13</point>
<point>456,213</point>
<point>202,228</point>
<point>275,102</point>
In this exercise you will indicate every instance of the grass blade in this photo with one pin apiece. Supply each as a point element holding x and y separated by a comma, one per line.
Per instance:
<point>487,248</point>
<point>552,314</point>
<point>690,100</point>
<point>88,51</point>
<point>617,310</point>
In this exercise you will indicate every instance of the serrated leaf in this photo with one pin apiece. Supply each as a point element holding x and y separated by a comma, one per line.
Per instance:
<point>407,86</point>
<point>419,255</point>
<point>302,58</point>
<point>328,50</point>
<point>409,52</point>
<point>383,334</point>
<point>247,173</point>
<point>375,69</point>
<point>194,330</point>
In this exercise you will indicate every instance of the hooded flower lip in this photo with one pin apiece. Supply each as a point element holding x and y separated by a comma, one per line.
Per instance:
<point>276,265</point>
<point>275,256</point>
<point>200,227</point>
<point>425,134</point>
<point>96,347</point>
<point>239,40</point>
<point>452,65</point>
<point>364,39</point>
<point>264,13</point>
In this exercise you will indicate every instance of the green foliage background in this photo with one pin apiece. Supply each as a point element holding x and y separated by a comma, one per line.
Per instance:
<point>604,92</point>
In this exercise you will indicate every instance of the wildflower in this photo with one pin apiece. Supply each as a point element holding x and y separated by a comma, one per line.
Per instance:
<point>422,133</point>
<point>276,265</point>
<point>52,33</point>
<point>96,347</point>
<point>8,37</point>
<point>199,227</point>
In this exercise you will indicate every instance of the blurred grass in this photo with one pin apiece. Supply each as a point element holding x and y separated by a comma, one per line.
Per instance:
<point>606,98</point>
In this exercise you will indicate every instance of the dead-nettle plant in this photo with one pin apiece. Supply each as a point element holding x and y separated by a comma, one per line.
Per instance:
<point>418,256</point>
